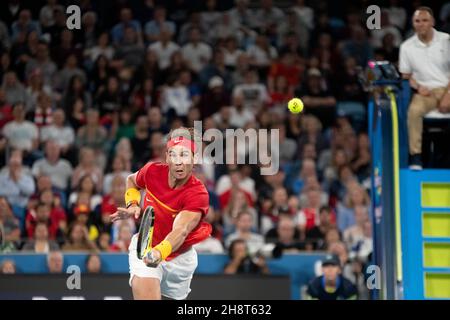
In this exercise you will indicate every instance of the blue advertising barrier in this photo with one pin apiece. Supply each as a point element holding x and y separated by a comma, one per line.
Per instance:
<point>300,267</point>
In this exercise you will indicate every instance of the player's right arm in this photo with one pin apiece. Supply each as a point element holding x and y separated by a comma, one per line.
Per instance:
<point>132,200</point>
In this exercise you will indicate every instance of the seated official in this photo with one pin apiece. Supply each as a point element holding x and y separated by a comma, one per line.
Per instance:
<point>424,62</point>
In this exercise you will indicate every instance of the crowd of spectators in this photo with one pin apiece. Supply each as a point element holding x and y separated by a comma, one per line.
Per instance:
<point>81,109</point>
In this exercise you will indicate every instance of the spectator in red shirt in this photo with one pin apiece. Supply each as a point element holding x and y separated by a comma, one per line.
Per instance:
<point>235,183</point>
<point>287,69</point>
<point>281,92</point>
<point>57,212</point>
<point>43,183</point>
<point>42,214</point>
<point>308,218</point>
<point>144,96</point>
<point>238,202</point>
<point>43,112</point>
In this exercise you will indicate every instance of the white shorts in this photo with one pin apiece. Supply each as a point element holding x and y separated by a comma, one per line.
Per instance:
<point>174,276</point>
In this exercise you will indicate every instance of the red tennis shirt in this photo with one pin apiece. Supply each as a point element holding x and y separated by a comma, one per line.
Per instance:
<point>168,202</point>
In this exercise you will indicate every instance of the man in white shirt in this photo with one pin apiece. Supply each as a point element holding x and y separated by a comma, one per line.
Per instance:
<point>255,93</point>
<point>425,61</point>
<point>240,115</point>
<point>59,170</point>
<point>304,13</point>
<point>196,53</point>
<point>243,231</point>
<point>21,134</point>
<point>164,48</point>
<point>17,185</point>
<point>176,96</point>
<point>63,135</point>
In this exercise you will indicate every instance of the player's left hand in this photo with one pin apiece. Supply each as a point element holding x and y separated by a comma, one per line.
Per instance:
<point>152,259</point>
<point>125,213</point>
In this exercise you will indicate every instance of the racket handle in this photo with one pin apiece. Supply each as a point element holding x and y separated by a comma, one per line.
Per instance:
<point>151,261</point>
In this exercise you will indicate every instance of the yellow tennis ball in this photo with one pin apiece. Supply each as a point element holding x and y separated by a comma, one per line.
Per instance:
<point>295,105</point>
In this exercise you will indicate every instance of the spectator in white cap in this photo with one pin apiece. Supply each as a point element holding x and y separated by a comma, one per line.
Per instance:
<point>214,82</point>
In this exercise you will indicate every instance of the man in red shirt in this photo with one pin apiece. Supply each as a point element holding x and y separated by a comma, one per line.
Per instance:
<point>180,202</point>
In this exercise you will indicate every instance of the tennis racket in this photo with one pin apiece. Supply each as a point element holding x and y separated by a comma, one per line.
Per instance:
<point>144,245</point>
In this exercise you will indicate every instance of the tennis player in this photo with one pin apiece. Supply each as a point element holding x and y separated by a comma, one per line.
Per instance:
<point>180,202</point>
